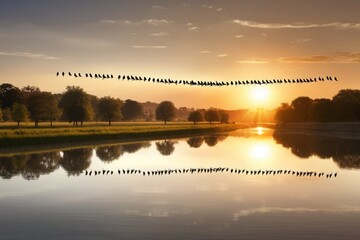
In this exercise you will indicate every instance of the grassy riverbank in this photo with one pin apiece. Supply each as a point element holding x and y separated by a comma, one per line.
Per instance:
<point>11,136</point>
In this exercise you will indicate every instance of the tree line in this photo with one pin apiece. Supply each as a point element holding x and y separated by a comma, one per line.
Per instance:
<point>343,107</point>
<point>76,106</point>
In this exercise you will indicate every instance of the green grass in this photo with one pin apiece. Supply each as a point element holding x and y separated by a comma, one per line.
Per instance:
<point>12,136</point>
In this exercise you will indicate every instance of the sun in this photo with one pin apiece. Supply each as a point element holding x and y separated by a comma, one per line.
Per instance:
<point>260,94</point>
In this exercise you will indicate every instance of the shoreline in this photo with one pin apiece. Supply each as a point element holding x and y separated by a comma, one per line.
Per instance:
<point>42,143</point>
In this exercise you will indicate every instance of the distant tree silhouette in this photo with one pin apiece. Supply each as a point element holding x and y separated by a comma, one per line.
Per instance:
<point>301,107</point>
<point>196,116</point>
<point>322,110</point>
<point>212,115</point>
<point>224,117</point>
<point>1,115</point>
<point>132,110</point>
<point>109,109</point>
<point>165,111</point>
<point>284,114</point>
<point>76,105</point>
<point>10,94</point>
<point>347,105</point>
<point>19,113</point>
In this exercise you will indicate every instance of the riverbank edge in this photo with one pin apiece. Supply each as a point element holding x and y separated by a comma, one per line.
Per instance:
<point>46,143</point>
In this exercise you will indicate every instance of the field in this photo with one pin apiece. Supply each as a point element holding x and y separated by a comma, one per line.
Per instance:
<point>27,134</point>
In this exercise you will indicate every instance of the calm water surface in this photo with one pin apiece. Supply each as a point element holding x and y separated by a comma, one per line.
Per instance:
<point>48,195</point>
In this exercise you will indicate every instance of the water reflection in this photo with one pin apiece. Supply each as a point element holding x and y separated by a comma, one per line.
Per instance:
<point>30,166</point>
<point>109,153</point>
<point>134,147</point>
<point>77,160</point>
<point>345,152</point>
<point>166,147</point>
<point>195,142</point>
<point>212,140</point>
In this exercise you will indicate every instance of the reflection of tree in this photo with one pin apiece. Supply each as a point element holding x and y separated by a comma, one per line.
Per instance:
<point>195,142</point>
<point>39,164</point>
<point>109,153</point>
<point>77,160</point>
<point>166,147</point>
<point>211,140</point>
<point>30,166</point>
<point>348,161</point>
<point>134,147</point>
<point>12,166</point>
<point>345,152</point>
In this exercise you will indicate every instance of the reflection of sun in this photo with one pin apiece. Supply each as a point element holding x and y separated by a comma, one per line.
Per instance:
<point>260,151</point>
<point>260,94</point>
<point>259,130</point>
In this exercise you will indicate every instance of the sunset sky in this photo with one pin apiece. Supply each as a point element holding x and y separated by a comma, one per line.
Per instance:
<point>193,40</point>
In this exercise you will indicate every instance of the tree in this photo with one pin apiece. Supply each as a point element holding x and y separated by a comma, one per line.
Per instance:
<point>109,109</point>
<point>212,115</point>
<point>1,118</point>
<point>195,116</point>
<point>224,117</point>
<point>347,105</point>
<point>10,94</point>
<point>53,110</point>
<point>76,105</point>
<point>284,113</point>
<point>165,111</point>
<point>321,110</point>
<point>6,114</point>
<point>132,110</point>
<point>42,106</point>
<point>301,107</point>
<point>19,113</point>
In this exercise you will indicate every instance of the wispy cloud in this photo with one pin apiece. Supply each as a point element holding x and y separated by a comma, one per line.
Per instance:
<point>252,61</point>
<point>302,40</point>
<point>211,7</point>
<point>193,28</point>
<point>205,51</point>
<point>238,36</point>
<point>150,47</point>
<point>159,34</point>
<point>254,24</point>
<point>342,58</point>
<point>158,7</point>
<point>153,22</point>
<point>222,55</point>
<point>29,55</point>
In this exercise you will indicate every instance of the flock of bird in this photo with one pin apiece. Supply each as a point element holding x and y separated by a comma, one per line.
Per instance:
<point>197,83</point>
<point>211,170</point>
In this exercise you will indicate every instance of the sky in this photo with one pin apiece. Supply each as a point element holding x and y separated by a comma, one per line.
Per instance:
<point>194,40</point>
